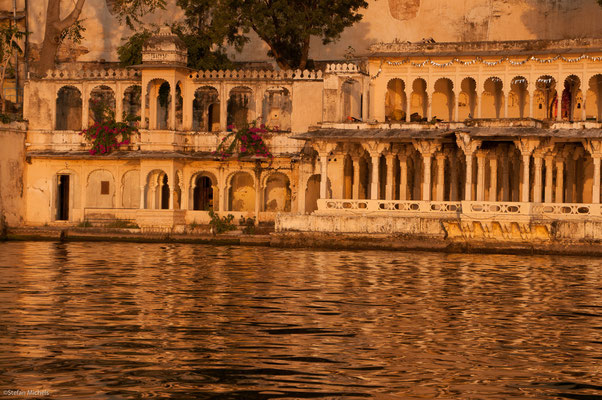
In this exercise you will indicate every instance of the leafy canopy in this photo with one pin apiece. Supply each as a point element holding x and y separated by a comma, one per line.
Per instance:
<point>286,26</point>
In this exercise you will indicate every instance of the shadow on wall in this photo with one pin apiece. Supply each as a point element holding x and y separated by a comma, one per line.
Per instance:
<point>562,19</point>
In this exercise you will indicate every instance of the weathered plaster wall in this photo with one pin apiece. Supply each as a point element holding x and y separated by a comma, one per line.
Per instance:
<point>384,20</point>
<point>12,160</point>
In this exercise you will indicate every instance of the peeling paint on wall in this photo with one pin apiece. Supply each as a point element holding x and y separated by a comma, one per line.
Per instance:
<point>404,9</point>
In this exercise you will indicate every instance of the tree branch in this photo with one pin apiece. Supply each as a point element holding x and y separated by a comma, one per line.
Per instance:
<point>73,16</point>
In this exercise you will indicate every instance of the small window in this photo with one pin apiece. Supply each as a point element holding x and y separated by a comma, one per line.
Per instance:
<point>104,187</point>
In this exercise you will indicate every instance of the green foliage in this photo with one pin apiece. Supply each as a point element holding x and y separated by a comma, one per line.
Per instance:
<point>130,53</point>
<point>131,11</point>
<point>202,52</point>
<point>248,225</point>
<point>73,33</point>
<point>284,25</point>
<point>223,224</point>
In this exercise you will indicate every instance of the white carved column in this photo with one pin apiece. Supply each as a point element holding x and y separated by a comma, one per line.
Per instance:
<point>481,157</point>
<point>403,177</point>
<point>526,147</point>
<point>549,178</point>
<point>537,158</point>
<point>594,147</point>
<point>375,149</point>
<point>493,177</point>
<point>469,146</point>
<point>559,179</point>
<point>426,148</point>
<point>323,149</point>
<point>440,188</point>
<point>390,157</point>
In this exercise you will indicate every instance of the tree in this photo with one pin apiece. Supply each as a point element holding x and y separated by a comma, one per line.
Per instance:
<point>56,29</point>
<point>202,52</point>
<point>9,37</point>
<point>286,26</point>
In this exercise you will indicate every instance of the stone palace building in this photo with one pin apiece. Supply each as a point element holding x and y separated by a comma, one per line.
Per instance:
<point>467,139</point>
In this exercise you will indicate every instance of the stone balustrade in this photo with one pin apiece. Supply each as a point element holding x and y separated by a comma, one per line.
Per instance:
<point>477,210</point>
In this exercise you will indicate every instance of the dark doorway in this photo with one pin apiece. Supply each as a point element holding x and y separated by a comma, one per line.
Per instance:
<point>203,194</point>
<point>62,213</point>
<point>165,194</point>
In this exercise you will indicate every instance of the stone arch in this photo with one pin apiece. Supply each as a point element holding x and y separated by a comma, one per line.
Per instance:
<point>312,192</point>
<point>443,99</point>
<point>396,101</point>
<point>157,190</point>
<point>351,100</point>
<point>570,108</point>
<point>418,100</point>
<point>132,103</point>
<point>545,98</point>
<point>68,109</point>
<point>593,100</point>
<point>100,189</point>
<point>130,189</point>
<point>101,104</point>
<point>492,98</point>
<point>518,97</point>
<point>240,104</point>
<point>159,102</point>
<point>467,99</point>
<point>206,109</point>
<point>277,192</point>
<point>277,108</point>
<point>241,192</point>
<point>203,191</point>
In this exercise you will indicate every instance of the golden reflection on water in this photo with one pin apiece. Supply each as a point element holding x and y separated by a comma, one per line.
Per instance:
<point>95,320</point>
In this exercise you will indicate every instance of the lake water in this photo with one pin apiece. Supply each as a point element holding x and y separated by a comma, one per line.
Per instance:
<point>125,320</point>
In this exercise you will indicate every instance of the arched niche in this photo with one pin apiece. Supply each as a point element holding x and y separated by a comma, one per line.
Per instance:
<point>443,100</point>
<point>277,193</point>
<point>518,98</point>
<point>132,103</point>
<point>241,192</point>
<point>157,190</point>
<point>467,99</point>
<point>351,100</point>
<point>545,98</point>
<point>68,109</point>
<point>571,100</point>
<point>130,189</point>
<point>100,189</point>
<point>418,101</point>
<point>492,98</point>
<point>395,101</point>
<point>206,110</point>
<point>277,108</point>
<point>240,103</point>
<point>101,105</point>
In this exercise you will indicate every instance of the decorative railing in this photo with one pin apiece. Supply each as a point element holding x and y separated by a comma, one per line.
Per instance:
<point>253,74</point>
<point>466,209</point>
<point>342,68</point>
<point>110,73</point>
<point>390,206</point>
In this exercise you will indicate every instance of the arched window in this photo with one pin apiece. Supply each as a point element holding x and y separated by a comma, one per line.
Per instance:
<point>68,109</point>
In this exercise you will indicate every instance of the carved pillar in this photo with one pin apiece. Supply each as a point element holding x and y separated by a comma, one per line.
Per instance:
<point>142,205</point>
<point>403,177</point>
<point>531,88</point>
<point>426,148</point>
<point>594,147</point>
<point>258,194</point>
<point>390,157</point>
<point>324,149</point>
<point>493,178</point>
<point>537,158</point>
<point>559,179</point>
<point>143,106</point>
<point>549,178</point>
<point>481,157</point>
<point>172,106</point>
<point>440,188</point>
<point>570,180</point>
<point>469,146</point>
<point>375,149</point>
<point>526,147</point>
